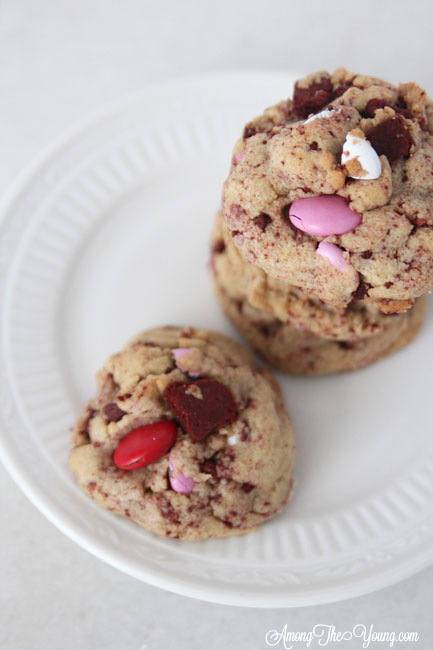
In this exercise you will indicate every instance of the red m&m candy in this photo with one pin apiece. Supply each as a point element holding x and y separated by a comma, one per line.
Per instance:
<point>145,445</point>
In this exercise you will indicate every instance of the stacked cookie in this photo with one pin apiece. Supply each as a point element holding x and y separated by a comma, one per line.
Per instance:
<point>324,250</point>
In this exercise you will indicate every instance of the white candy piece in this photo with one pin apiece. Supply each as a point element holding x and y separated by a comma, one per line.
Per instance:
<point>357,147</point>
<point>233,440</point>
<point>326,113</point>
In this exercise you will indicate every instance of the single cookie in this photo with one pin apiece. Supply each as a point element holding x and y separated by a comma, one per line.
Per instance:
<point>294,347</point>
<point>339,204</point>
<point>290,304</point>
<point>186,436</point>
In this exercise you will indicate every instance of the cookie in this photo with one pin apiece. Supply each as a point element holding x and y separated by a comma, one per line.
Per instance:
<point>299,352</point>
<point>332,191</point>
<point>186,436</point>
<point>288,303</point>
<point>306,337</point>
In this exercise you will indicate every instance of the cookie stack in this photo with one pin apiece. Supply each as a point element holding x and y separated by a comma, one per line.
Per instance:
<point>324,248</point>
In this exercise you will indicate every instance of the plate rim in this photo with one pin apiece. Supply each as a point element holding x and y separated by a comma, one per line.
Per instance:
<point>326,595</point>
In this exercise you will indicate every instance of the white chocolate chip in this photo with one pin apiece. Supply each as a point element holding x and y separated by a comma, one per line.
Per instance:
<point>326,113</point>
<point>233,440</point>
<point>194,391</point>
<point>356,148</point>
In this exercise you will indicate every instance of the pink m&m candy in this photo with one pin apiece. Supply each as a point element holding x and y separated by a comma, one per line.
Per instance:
<point>178,353</point>
<point>179,482</point>
<point>323,215</point>
<point>333,254</point>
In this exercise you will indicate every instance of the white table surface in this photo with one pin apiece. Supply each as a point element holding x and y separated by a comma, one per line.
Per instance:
<point>60,60</point>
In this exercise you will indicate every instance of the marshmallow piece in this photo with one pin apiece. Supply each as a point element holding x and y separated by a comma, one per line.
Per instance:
<point>356,148</point>
<point>333,254</point>
<point>325,113</point>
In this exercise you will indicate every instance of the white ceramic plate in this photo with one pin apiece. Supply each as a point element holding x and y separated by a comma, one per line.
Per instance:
<point>108,235</point>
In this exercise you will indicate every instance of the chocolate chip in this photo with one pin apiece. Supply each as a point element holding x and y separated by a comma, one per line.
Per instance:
<point>372,106</point>
<point>360,292</point>
<point>247,487</point>
<point>209,467</point>
<point>285,214</point>
<point>366,255</point>
<point>390,138</point>
<point>313,146</point>
<point>346,345</point>
<point>250,130</point>
<point>312,99</point>
<point>262,221</point>
<point>112,412</point>
<point>201,417</point>
<point>268,329</point>
<point>219,246</point>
